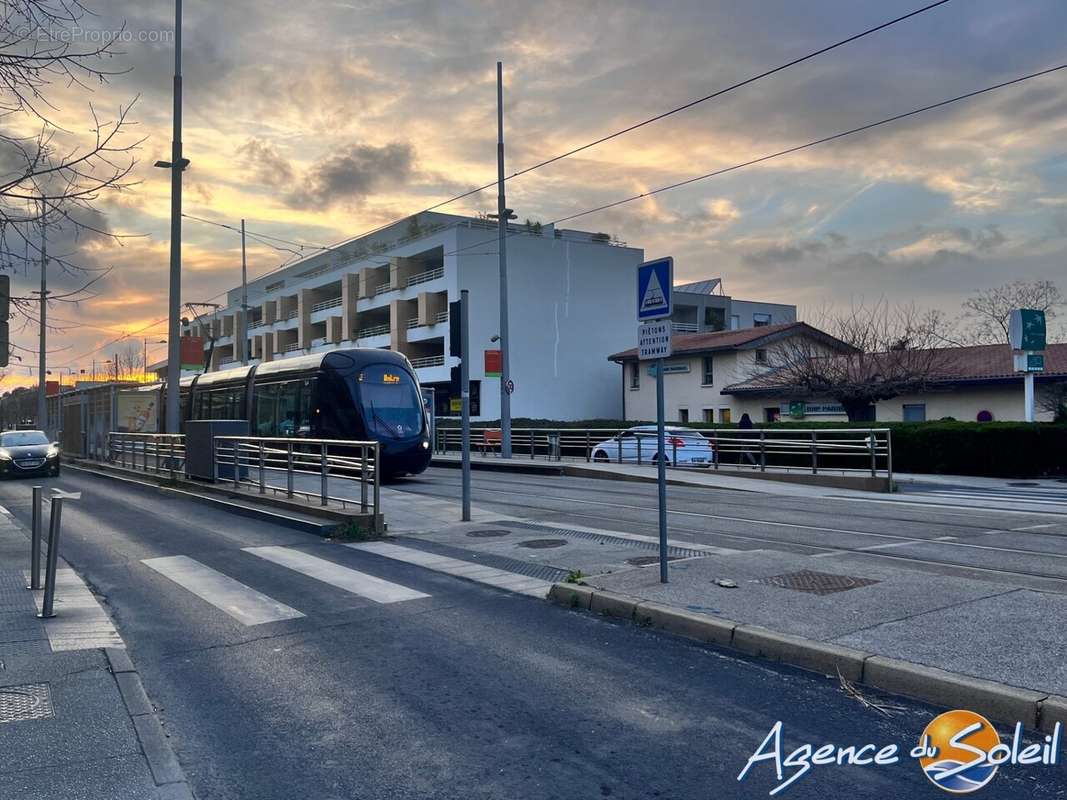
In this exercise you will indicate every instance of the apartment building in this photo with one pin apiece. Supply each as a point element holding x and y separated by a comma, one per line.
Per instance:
<point>570,301</point>
<point>703,307</point>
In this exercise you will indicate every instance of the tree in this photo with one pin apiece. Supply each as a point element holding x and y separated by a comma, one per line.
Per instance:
<point>50,177</point>
<point>875,353</point>
<point>986,314</point>
<point>1053,398</point>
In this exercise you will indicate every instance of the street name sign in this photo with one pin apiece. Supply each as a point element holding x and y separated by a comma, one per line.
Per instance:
<point>654,340</point>
<point>655,280</point>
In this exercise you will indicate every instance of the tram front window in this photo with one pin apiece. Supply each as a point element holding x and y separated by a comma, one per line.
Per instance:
<point>390,402</point>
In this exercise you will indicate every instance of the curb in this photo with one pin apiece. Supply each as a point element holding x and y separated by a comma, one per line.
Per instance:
<point>170,780</point>
<point>999,702</point>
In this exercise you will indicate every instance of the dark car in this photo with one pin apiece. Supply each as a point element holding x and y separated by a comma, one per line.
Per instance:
<point>27,453</point>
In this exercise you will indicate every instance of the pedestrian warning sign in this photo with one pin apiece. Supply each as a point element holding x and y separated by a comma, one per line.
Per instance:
<point>654,281</point>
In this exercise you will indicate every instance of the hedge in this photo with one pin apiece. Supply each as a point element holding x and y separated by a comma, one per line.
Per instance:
<point>988,449</point>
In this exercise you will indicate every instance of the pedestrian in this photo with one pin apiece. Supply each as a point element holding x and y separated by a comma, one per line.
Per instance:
<point>745,424</point>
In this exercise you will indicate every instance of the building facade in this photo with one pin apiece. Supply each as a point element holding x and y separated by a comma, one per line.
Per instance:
<point>392,290</point>
<point>703,307</point>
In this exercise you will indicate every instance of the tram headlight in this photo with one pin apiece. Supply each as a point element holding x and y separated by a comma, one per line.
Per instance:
<point>425,444</point>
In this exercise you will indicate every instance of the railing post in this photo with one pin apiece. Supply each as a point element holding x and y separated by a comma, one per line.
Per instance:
<point>262,470</point>
<point>674,452</point>
<point>715,446</point>
<point>533,443</point>
<point>145,458</point>
<point>324,467</point>
<point>237,450</point>
<point>47,604</point>
<point>814,454</point>
<point>889,457</point>
<point>377,491</point>
<point>170,450</point>
<point>35,540</point>
<point>618,438</point>
<point>588,447</point>
<point>158,444</point>
<point>289,472</point>
<point>872,441</point>
<point>762,450</point>
<point>214,459</point>
<point>363,478</point>
<point>638,437</point>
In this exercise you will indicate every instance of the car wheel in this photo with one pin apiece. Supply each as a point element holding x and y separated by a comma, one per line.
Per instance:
<point>600,457</point>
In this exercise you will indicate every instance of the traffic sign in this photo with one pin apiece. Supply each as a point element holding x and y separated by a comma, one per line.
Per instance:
<point>654,340</point>
<point>509,386</point>
<point>655,280</point>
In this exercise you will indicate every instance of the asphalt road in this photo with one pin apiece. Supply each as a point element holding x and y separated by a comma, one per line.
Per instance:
<point>1016,548</point>
<point>467,692</point>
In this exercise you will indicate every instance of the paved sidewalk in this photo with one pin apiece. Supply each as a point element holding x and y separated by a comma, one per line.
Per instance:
<point>74,720</point>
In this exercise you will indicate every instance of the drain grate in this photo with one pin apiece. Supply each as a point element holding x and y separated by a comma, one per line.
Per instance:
<point>29,701</point>
<point>599,538</point>
<point>491,534</point>
<point>819,583</point>
<point>543,544</point>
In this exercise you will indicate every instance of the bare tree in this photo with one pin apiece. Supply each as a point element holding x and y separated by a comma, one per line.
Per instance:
<point>129,361</point>
<point>51,177</point>
<point>1053,398</point>
<point>986,314</point>
<point>872,353</point>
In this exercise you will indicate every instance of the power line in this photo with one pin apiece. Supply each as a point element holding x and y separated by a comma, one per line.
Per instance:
<point>628,129</point>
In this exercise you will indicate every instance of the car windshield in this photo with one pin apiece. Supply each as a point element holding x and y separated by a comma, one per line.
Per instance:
<point>390,401</point>
<point>22,438</point>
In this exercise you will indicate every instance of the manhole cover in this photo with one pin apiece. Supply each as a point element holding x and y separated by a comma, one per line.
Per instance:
<point>816,582</point>
<point>1023,483</point>
<point>543,544</point>
<point>647,561</point>
<point>30,701</point>
<point>487,534</point>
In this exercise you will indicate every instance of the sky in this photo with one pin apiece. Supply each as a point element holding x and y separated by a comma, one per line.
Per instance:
<point>319,120</point>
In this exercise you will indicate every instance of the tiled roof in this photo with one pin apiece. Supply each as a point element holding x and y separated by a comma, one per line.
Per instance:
<point>691,343</point>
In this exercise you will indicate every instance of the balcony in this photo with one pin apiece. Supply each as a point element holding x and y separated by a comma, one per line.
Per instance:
<point>440,316</point>
<point>292,348</point>
<point>684,327</point>
<point>428,361</point>
<point>291,314</point>
<point>258,323</point>
<point>333,302</point>
<point>383,288</point>
<point>374,330</point>
<point>424,277</point>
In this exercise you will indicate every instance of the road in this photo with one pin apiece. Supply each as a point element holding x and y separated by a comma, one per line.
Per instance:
<point>439,688</point>
<point>1019,548</point>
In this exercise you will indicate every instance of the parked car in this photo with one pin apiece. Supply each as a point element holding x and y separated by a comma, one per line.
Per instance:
<point>27,453</point>
<point>683,446</point>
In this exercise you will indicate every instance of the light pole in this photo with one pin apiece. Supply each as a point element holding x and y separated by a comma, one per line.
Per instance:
<point>244,299</point>
<point>42,402</point>
<point>176,165</point>
<point>502,216</point>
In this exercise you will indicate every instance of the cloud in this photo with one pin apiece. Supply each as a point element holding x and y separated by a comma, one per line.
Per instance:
<point>351,174</point>
<point>268,166</point>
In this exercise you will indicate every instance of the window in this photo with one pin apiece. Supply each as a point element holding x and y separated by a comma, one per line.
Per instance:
<point>760,320</point>
<point>709,415</point>
<point>709,372</point>
<point>266,408</point>
<point>735,321</point>
<point>772,414</point>
<point>714,318</point>
<point>914,412</point>
<point>724,416</point>
<point>761,358</point>
<point>635,375</point>
<point>683,415</point>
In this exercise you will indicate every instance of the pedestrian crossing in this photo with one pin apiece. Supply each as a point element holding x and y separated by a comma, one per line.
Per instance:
<point>1015,498</point>
<point>250,607</point>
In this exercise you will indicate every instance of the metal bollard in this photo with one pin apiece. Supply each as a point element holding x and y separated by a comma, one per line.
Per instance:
<point>35,541</point>
<point>54,523</point>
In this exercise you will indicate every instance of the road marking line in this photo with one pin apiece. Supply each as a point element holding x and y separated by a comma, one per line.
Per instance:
<point>498,578</point>
<point>241,602</point>
<point>368,586</point>
<point>80,623</point>
<point>1035,527</point>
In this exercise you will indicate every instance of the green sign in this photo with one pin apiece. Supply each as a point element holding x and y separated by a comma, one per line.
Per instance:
<point>796,408</point>
<point>1035,362</point>
<point>1026,329</point>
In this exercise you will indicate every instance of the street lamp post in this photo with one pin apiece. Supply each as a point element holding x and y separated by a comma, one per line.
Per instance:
<point>502,216</point>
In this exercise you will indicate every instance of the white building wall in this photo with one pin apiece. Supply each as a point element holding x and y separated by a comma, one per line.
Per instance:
<point>686,390</point>
<point>745,310</point>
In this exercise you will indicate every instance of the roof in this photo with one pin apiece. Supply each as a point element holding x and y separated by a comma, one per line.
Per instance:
<point>990,363</point>
<point>700,287</point>
<point>740,339</point>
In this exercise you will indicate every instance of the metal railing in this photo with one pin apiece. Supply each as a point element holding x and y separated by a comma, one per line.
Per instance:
<point>428,361</point>
<point>274,463</point>
<point>291,314</point>
<point>382,288</point>
<point>373,330</point>
<point>684,327</point>
<point>440,316</point>
<point>835,450</point>
<point>333,302</point>
<point>292,348</point>
<point>158,453</point>
<point>426,276</point>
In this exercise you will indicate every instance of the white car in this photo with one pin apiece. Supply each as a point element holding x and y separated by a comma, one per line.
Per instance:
<point>683,447</point>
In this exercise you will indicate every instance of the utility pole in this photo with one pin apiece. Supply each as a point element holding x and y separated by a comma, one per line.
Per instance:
<point>42,400</point>
<point>244,299</point>
<point>503,214</point>
<point>465,399</point>
<point>177,164</point>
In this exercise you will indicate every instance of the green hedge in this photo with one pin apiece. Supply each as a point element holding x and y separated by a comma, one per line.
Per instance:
<point>990,449</point>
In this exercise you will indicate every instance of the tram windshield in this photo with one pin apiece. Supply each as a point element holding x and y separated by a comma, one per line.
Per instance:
<point>390,401</point>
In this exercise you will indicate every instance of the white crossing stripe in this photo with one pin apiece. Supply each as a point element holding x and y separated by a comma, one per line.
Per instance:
<point>501,579</point>
<point>80,623</point>
<point>241,602</point>
<point>376,589</point>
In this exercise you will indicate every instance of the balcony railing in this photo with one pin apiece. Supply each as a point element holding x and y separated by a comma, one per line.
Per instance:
<point>383,288</point>
<point>428,361</point>
<point>292,348</point>
<point>440,316</point>
<point>374,330</point>
<point>333,302</point>
<point>684,327</point>
<point>257,323</point>
<point>413,323</point>
<point>428,275</point>
<point>291,314</point>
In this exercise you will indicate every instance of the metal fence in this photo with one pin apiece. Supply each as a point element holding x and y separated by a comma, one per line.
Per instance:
<point>260,464</point>
<point>842,450</point>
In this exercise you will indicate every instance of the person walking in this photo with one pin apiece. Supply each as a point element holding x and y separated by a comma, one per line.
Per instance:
<point>745,424</point>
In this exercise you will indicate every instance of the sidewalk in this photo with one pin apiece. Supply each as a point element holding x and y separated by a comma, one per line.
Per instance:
<point>74,719</point>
